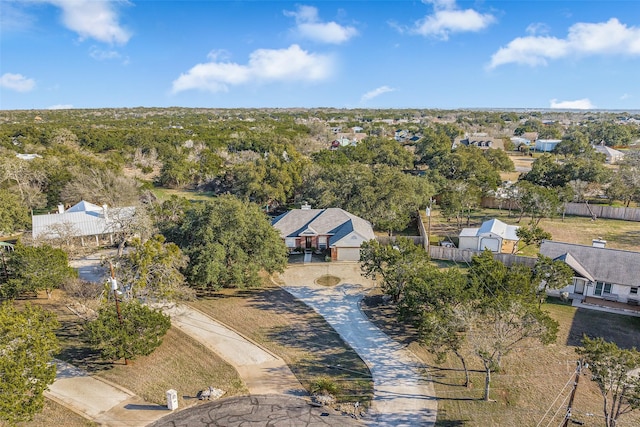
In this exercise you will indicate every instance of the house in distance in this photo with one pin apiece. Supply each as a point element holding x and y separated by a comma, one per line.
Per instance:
<point>83,221</point>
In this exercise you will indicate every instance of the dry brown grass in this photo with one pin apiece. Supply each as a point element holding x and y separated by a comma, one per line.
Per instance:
<point>180,362</point>
<point>573,229</point>
<point>532,376</point>
<point>276,320</point>
<point>54,414</point>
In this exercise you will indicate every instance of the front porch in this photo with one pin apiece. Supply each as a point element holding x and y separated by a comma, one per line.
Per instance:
<point>605,305</point>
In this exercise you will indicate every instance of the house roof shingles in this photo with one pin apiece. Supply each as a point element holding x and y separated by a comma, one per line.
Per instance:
<point>602,264</point>
<point>331,221</point>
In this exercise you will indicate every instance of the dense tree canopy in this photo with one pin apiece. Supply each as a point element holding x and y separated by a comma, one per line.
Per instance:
<point>153,270</point>
<point>14,215</point>
<point>27,343</point>
<point>35,268</point>
<point>228,243</point>
<point>385,151</point>
<point>381,194</point>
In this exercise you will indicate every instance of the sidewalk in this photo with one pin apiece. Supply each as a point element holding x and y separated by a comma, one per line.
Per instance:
<point>100,401</point>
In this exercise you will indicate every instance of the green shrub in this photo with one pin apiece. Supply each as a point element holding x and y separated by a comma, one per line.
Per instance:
<point>324,385</point>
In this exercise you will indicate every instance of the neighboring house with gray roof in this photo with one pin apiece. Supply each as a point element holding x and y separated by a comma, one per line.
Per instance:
<point>600,272</point>
<point>333,228</point>
<point>84,221</point>
<point>494,235</point>
<point>611,155</point>
<point>480,140</point>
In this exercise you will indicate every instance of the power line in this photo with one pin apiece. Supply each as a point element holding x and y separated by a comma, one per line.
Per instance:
<point>554,401</point>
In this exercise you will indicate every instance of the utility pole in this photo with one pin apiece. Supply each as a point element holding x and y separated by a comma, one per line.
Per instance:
<point>114,288</point>
<point>429,224</point>
<point>567,417</point>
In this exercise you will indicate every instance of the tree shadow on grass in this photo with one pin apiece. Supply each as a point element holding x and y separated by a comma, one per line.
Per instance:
<point>77,352</point>
<point>326,354</point>
<point>385,317</point>
<point>620,329</point>
<point>625,238</point>
<point>451,423</point>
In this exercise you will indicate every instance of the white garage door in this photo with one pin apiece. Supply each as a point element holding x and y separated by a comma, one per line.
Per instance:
<point>348,254</point>
<point>492,244</point>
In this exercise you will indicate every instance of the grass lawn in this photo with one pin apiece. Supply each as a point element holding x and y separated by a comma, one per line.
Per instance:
<point>531,378</point>
<point>164,193</point>
<point>54,414</point>
<point>180,363</point>
<point>573,229</point>
<point>287,327</point>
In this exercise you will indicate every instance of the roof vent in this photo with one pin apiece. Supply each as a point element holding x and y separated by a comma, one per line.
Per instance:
<point>598,243</point>
<point>306,206</point>
<point>60,208</point>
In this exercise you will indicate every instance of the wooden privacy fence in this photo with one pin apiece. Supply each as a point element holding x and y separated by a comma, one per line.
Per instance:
<point>603,211</point>
<point>577,209</point>
<point>465,255</point>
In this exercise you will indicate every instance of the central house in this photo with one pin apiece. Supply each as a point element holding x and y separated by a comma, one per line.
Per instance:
<point>320,229</point>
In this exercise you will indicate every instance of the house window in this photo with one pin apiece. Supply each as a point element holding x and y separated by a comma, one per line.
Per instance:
<point>322,242</point>
<point>633,291</point>
<point>290,242</point>
<point>602,288</point>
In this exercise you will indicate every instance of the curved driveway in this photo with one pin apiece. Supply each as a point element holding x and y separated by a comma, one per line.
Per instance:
<point>403,395</point>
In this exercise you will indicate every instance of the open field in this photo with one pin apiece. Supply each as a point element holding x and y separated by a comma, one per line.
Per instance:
<point>276,320</point>
<point>531,379</point>
<point>573,229</point>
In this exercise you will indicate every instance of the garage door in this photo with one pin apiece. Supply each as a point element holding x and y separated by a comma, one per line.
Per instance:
<point>348,254</point>
<point>492,244</point>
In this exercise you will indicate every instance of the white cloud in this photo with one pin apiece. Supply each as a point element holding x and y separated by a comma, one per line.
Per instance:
<point>17,82</point>
<point>61,107</point>
<point>309,26</point>
<point>103,55</point>
<point>604,38</point>
<point>578,104</point>
<point>447,19</point>
<point>265,65</point>
<point>376,92</point>
<point>537,28</point>
<point>218,54</point>
<point>98,20</point>
<point>625,96</point>
<point>13,18</point>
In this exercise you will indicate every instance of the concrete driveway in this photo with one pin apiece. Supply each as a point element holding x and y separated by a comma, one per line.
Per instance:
<point>101,401</point>
<point>403,393</point>
<point>262,371</point>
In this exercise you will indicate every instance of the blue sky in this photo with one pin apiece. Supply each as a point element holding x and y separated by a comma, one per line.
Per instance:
<point>448,54</point>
